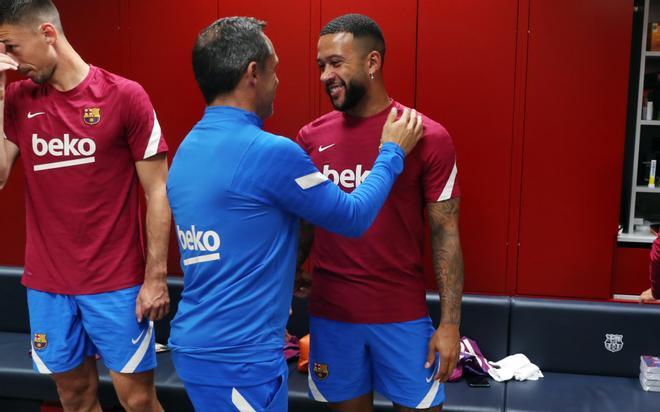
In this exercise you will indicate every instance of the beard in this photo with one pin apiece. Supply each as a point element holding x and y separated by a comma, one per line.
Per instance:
<point>39,77</point>
<point>354,91</point>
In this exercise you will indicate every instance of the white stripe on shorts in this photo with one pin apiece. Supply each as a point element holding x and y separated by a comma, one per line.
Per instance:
<point>430,396</point>
<point>140,352</point>
<point>41,366</point>
<point>316,394</point>
<point>240,402</point>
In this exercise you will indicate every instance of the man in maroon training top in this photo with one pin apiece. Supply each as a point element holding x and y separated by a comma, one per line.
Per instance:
<point>86,137</point>
<point>369,325</point>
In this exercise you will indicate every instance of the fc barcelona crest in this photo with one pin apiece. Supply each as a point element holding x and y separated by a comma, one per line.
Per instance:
<point>321,370</point>
<point>613,343</point>
<point>40,341</point>
<point>92,115</point>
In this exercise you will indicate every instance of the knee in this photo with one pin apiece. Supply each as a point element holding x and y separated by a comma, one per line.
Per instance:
<point>77,393</point>
<point>136,401</point>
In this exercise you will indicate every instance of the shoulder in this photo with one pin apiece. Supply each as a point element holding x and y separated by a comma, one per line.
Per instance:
<point>111,82</point>
<point>276,144</point>
<point>436,140</point>
<point>328,120</point>
<point>22,89</point>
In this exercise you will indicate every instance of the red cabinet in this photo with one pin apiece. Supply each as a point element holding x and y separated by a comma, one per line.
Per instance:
<point>465,80</point>
<point>159,52</point>
<point>574,124</point>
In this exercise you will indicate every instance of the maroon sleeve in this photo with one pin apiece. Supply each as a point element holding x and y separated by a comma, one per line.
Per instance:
<point>440,178</point>
<point>142,128</point>
<point>9,114</point>
<point>655,268</point>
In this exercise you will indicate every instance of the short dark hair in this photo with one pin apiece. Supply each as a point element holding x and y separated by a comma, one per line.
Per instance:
<point>223,52</point>
<point>360,26</point>
<point>21,11</point>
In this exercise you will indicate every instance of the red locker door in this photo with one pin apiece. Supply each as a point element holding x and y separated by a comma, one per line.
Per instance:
<point>289,30</point>
<point>94,31</point>
<point>397,20</point>
<point>575,114</point>
<point>465,80</point>
<point>160,49</point>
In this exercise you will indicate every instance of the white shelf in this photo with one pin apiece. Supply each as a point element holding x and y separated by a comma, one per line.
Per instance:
<point>646,189</point>
<point>635,237</point>
<point>652,53</point>
<point>649,122</point>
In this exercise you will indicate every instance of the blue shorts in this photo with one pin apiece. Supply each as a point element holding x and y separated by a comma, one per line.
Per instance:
<point>348,360</point>
<point>271,396</point>
<point>67,328</point>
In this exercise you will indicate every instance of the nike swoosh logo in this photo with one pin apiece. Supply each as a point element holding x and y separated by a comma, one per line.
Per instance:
<point>137,339</point>
<point>322,148</point>
<point>430,378</point>
<point>31,115</point>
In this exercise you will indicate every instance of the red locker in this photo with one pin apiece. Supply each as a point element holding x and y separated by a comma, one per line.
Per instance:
<point>465,80</point>
<point>631,270</point>
<point>575,114</point>
<point>94,31</point>
<point>159,53</point>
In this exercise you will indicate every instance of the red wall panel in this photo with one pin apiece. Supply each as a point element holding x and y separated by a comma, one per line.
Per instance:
<point>290,33</point>
<point>577,80</point>
<point>160,60</point>
<point>465,80</point>
<point>97,40</point>
<point>631,270</point>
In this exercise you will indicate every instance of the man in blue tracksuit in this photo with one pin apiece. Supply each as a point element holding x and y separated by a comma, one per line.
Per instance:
<point>237,194</point>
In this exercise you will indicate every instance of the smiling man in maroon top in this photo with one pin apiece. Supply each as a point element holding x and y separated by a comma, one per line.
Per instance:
<point>370,328</point>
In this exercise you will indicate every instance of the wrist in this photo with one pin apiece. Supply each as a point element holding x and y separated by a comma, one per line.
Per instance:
<point>448,325</point>
<point>155,274</point>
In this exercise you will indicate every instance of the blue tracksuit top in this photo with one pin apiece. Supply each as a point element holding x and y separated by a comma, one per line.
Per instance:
<point>237,194</point>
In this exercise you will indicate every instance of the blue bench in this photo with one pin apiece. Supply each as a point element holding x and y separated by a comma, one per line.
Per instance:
<point>568,341</point>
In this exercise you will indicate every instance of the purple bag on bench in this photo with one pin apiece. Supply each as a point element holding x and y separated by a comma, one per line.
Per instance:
<point>470,359</point>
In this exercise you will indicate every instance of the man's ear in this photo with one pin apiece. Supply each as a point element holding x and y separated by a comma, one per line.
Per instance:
<point>49,32</point>
<point>375,61</point>
<point>252,73</point>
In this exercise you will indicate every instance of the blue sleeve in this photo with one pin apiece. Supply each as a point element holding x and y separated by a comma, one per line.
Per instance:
<point>295,185</point>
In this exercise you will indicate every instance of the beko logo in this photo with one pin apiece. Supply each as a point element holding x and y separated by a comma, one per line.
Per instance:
<point>199,241</point>
<point>347,178</point>
<point>66,146</point>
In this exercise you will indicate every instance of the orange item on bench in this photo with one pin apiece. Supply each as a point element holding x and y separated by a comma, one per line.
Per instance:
<point>303,360</point>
